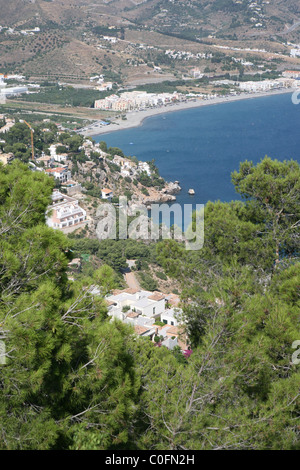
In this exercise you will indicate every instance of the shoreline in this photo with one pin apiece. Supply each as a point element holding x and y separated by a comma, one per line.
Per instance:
<point>136,118</point>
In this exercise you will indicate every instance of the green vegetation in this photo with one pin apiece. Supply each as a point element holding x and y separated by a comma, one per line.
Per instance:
<point>60,348</point>
<point>18,141</point>
<point>114,252</point>
<point>67,96</point>
<point>74,380</point>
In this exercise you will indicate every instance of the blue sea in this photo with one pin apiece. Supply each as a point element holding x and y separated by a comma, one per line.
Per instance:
<point>200,147</point>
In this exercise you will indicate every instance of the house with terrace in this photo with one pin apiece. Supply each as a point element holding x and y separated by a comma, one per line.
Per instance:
<point>149,315</point>
<point>65,213</point>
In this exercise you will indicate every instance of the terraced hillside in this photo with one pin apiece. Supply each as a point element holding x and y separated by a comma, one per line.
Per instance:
<point>129,40</point>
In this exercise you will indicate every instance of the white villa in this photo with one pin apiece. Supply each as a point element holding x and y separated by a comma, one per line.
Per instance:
<point>47,160</point>
<point>107,193</point>
<point>147,304</point>
<point>64,212</point>
<point>62,174</point>
<point>61,157</point>
<point>143,309</point>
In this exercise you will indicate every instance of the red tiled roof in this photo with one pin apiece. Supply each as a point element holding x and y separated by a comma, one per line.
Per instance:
<point>156,296</point>
<point>55,170</point>
<point>140,329</point>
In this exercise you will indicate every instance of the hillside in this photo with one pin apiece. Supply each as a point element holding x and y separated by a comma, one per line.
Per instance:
<point>129,40</point>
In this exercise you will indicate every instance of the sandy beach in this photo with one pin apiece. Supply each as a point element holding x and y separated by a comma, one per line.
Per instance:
<point>136,118</point>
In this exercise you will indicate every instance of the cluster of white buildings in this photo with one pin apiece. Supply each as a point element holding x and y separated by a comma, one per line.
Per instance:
<point>152,314</point>
<point>186,55</point>
<point>258,15</point>
<point>137,100</point>
<point>246,49</point>
<point>266,85</point>
<point>130,168</point>
<point>25,32</point>
<point>64,212</point>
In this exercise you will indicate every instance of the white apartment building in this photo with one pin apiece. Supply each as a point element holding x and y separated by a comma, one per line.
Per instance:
<point>64,212</point>
<point>136,100</point>
<point>266,85</point>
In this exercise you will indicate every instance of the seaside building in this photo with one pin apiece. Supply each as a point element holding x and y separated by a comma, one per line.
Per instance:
<point>144,167</point>
<point>133,100</point>
<point>128,167</point>
<point>266,85</point>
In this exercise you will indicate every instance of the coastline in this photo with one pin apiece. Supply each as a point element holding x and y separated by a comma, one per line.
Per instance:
<point>136,118</point>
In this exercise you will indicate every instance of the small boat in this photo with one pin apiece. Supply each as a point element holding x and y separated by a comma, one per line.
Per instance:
<point>191,192</point>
